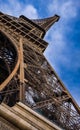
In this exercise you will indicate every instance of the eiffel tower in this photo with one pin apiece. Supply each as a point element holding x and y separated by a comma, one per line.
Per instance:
<point>32,96</point>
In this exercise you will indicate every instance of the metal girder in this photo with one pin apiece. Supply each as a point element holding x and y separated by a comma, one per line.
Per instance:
<point>22,85</point>
<point>51,101</point>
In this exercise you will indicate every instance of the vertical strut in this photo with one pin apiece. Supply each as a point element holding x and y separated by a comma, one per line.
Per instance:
<point>22,86</point>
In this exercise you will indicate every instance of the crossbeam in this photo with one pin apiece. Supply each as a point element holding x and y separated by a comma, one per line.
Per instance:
<point>45,103</point>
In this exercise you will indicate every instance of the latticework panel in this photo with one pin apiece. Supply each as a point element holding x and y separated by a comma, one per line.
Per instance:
<point>45,93</point>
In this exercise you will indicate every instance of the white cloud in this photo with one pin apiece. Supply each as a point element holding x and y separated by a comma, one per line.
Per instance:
<point>30,11</point>
<point>57,35</point>
<point>10,7</point>
<point>54,52</point>
<point>16,8</point>
<point>66,9</point>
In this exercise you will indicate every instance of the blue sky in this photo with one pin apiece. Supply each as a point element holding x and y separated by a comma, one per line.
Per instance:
<point>63,51</point>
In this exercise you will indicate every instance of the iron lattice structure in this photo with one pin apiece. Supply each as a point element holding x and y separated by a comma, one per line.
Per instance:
<point>26,75</point>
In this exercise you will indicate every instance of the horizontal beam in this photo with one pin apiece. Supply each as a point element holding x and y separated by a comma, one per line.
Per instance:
<point>25,118</point>
<point>45,103</point>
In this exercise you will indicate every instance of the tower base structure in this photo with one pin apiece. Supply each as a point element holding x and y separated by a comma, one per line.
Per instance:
<point>21,117</point>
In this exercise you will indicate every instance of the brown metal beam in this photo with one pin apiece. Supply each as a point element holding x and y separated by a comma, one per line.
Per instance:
<point>22,86</point>
<point>45,103</point>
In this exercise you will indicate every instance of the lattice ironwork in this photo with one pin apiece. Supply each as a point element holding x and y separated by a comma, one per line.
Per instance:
<point>27,76</point>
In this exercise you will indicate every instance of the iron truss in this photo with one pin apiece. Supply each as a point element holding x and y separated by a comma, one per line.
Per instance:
<point>26,75</point>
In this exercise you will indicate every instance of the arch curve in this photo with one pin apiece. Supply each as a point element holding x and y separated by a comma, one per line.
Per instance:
<point>9,62</point>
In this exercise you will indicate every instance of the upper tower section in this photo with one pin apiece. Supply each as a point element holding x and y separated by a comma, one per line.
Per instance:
<point>46,23</point>
<point>41,25</point>
<point>32,30</point>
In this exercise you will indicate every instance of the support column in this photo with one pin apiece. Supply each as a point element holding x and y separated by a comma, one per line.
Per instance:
<point>22,85</point>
